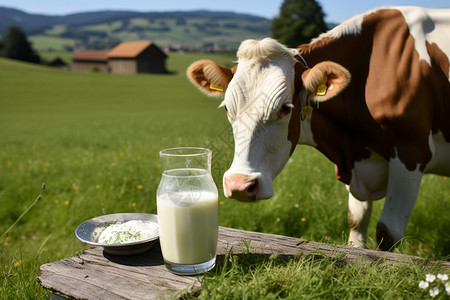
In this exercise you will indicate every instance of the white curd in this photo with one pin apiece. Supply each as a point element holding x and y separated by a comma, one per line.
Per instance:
<point>131,231</point>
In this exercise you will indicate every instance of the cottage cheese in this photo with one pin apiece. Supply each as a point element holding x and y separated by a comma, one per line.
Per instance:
<point>131,231</point>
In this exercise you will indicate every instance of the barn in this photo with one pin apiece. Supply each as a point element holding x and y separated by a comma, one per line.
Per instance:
<point>125,58</point>
<point>137,57</point>
<point>91,60</point>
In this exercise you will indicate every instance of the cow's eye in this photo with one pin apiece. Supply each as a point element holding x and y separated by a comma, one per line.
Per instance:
<point>285,109</point>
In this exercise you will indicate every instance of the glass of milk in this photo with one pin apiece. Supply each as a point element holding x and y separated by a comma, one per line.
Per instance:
<point>187,204</point>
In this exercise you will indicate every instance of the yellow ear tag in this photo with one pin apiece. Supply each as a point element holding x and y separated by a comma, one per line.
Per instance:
<point>322,89</point>
<point>216,87</point>
<point>306,110</point>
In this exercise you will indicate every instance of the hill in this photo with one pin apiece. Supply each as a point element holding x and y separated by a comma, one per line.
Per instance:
<point>209,30</point>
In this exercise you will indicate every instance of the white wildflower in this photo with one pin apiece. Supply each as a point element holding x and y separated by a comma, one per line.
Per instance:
<point>434,292</point>
<point>434,286</point>
<point>430,277</point>
<point>442,277</point>
<point>423,284</point>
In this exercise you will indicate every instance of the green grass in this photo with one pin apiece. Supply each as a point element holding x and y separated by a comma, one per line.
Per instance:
<point>94,139</point>
<point>51,43</point>
<point>252,276</point>
<point>106,27</point>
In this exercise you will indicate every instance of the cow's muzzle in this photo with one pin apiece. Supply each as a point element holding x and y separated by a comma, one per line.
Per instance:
<point>241,187</point>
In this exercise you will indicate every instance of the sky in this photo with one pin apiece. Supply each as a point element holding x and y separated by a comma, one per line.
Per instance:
<point>336,10</point>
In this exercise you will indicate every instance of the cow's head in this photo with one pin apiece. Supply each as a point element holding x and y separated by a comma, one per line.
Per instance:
<point>263,95</point>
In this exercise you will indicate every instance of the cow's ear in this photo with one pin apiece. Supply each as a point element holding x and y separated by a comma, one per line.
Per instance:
<point>209,77</point>
<point>325,80</point>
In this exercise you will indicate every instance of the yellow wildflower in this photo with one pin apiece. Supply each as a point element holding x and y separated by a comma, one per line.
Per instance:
<point>98,186</point>
<point>67,202</point>
<point>139,187</point>
<point>303,219</point>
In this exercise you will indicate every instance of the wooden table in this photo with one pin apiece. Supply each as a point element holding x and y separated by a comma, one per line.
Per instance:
<point>98,275</point>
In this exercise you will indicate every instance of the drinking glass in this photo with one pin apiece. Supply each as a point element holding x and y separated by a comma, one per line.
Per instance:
<point>187,204</point>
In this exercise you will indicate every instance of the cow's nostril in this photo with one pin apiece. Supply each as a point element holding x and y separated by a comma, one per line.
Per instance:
<point>241,187</point>
<point>253,187</point>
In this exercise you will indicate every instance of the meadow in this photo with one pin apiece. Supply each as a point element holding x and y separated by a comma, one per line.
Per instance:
<point>94,138</point>
<point>191,29</point>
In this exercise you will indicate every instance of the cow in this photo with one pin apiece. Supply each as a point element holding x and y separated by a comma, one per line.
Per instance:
<point>371,94</point>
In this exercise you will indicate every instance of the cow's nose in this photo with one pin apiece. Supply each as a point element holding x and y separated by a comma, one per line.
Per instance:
<point>241,187</point>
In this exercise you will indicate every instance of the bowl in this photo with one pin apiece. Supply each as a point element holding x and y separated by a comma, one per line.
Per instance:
<point>90,230</point>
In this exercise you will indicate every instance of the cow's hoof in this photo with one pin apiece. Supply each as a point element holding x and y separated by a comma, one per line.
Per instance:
<point>384,238</point>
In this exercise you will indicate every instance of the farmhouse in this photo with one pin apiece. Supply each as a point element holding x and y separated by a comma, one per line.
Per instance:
<point>137,57</point>
<point>91,60</point>
<point>125,58</point>
<point>57,63</point>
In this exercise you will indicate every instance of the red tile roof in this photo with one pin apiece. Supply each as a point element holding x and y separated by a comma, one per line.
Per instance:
<point>91,55</point>
<point>129,49</point>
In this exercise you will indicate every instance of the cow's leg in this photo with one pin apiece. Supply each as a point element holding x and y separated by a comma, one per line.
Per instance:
<point>403,187</point>
<point>358,219</point>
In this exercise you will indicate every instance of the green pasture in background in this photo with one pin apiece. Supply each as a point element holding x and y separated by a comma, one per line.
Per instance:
<point>94,139</point>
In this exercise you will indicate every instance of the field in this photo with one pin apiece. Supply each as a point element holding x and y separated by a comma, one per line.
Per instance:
<point>193,29</point>
<point>94,139</point>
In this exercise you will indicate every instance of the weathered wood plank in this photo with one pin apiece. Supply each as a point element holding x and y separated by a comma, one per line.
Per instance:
<point>270,243</point>
<point>97,275</point>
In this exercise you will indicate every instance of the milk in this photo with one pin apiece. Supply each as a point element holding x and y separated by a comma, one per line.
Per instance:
<point>188,226</point>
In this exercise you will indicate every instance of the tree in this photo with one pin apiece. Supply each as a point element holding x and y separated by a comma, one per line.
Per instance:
<point>299,21</point>
<point>16,46</point>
